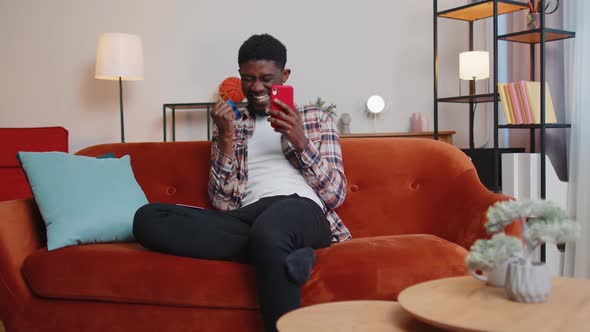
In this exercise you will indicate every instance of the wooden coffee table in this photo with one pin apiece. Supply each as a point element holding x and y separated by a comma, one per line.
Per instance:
<point>466,304</point>
<point>349,316</point>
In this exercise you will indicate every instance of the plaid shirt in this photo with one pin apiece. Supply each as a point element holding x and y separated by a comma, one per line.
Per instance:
<point>320,163</point>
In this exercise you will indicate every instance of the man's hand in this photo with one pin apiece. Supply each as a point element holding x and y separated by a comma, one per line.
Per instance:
<point>223,116</point>
<point>288,122</point>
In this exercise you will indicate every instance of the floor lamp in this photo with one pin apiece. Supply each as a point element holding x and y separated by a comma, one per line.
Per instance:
<point>119,56</point>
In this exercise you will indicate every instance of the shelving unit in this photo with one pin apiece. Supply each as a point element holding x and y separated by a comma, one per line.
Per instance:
<point>492,9</point>
<point>470,13</point>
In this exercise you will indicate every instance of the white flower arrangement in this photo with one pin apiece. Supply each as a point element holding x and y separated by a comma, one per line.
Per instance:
<point>541,220</point>
<point>485,255</point>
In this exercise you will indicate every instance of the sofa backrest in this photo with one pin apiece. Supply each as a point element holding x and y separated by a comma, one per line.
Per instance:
<point>395,185</point>
<point>172,172</point>
<point>408,186</point>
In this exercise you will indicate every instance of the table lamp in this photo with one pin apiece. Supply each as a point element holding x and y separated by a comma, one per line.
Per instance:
<point>474,65</point>
<point>119,56</point>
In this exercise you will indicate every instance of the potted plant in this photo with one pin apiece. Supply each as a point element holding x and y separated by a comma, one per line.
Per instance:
<point>322,104</point>
<point>492,257</point>
<point>345,119</point>
<point>542,221</point>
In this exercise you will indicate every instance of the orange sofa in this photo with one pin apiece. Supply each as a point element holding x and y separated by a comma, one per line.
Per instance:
<point>413,206</point>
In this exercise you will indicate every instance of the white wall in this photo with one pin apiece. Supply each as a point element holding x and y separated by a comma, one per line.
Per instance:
<point>342,51</point>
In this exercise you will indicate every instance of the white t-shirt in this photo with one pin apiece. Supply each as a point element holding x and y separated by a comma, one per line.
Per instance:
<point>269,171</point>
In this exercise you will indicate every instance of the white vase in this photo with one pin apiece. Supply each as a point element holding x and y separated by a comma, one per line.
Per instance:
<point>528,283</point>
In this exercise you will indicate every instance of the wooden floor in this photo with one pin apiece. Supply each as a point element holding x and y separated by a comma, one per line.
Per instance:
<point>1,327</point>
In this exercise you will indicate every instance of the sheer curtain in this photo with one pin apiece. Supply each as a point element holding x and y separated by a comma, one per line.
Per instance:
<point>577,84</point>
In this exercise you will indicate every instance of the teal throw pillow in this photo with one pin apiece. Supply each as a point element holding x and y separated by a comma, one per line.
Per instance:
<point>83,199</point>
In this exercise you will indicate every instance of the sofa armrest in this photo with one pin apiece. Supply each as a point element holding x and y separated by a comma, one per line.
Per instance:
<point>21,233</point>
<point>466,205</point>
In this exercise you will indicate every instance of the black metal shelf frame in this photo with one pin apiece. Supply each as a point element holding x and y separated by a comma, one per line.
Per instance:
<point>480,10</point>
<point>534,126</point>
<point>539,36</point>
<point>479,98</point>
<point>533,36</point>
<point>186,106</point>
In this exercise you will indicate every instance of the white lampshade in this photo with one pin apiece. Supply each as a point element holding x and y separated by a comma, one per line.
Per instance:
<point>375,104</point>
<point>474,65</point>
<point>119,55</point>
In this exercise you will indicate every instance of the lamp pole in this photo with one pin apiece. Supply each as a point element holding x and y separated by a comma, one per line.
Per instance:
<point>121,108</point>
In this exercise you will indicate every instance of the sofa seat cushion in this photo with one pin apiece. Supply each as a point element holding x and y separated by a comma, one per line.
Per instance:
<point>379,268</point>
<point>364,268</point>
<point>128,273</point>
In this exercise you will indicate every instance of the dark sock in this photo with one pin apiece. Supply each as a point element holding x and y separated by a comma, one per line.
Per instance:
<point>298,265</point>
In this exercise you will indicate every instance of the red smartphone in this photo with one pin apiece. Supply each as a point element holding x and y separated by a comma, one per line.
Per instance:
<point>283,93</point>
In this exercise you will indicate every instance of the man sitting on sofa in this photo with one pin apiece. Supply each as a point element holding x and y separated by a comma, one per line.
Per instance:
<point>275,180</point>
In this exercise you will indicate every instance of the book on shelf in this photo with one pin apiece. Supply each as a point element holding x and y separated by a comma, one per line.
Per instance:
<point>534,94</point>
<point>526,107</point>
<point>504,101</point>
<point>509,103</point>
<point>516,110</point>
<point>516,92</point>
<point>521,102</point>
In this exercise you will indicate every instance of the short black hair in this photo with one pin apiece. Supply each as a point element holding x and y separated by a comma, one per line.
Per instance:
<point>263,47</point>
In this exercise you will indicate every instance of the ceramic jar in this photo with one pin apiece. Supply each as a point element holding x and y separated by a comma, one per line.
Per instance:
<point>528,283</point>
<point>495,277</point>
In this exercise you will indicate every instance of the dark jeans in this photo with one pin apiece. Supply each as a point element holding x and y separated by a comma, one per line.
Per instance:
<point>262,233</point>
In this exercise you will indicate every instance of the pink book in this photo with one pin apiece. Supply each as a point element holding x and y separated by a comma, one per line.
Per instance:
<point>525,102</point>
<point>515,103</point>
